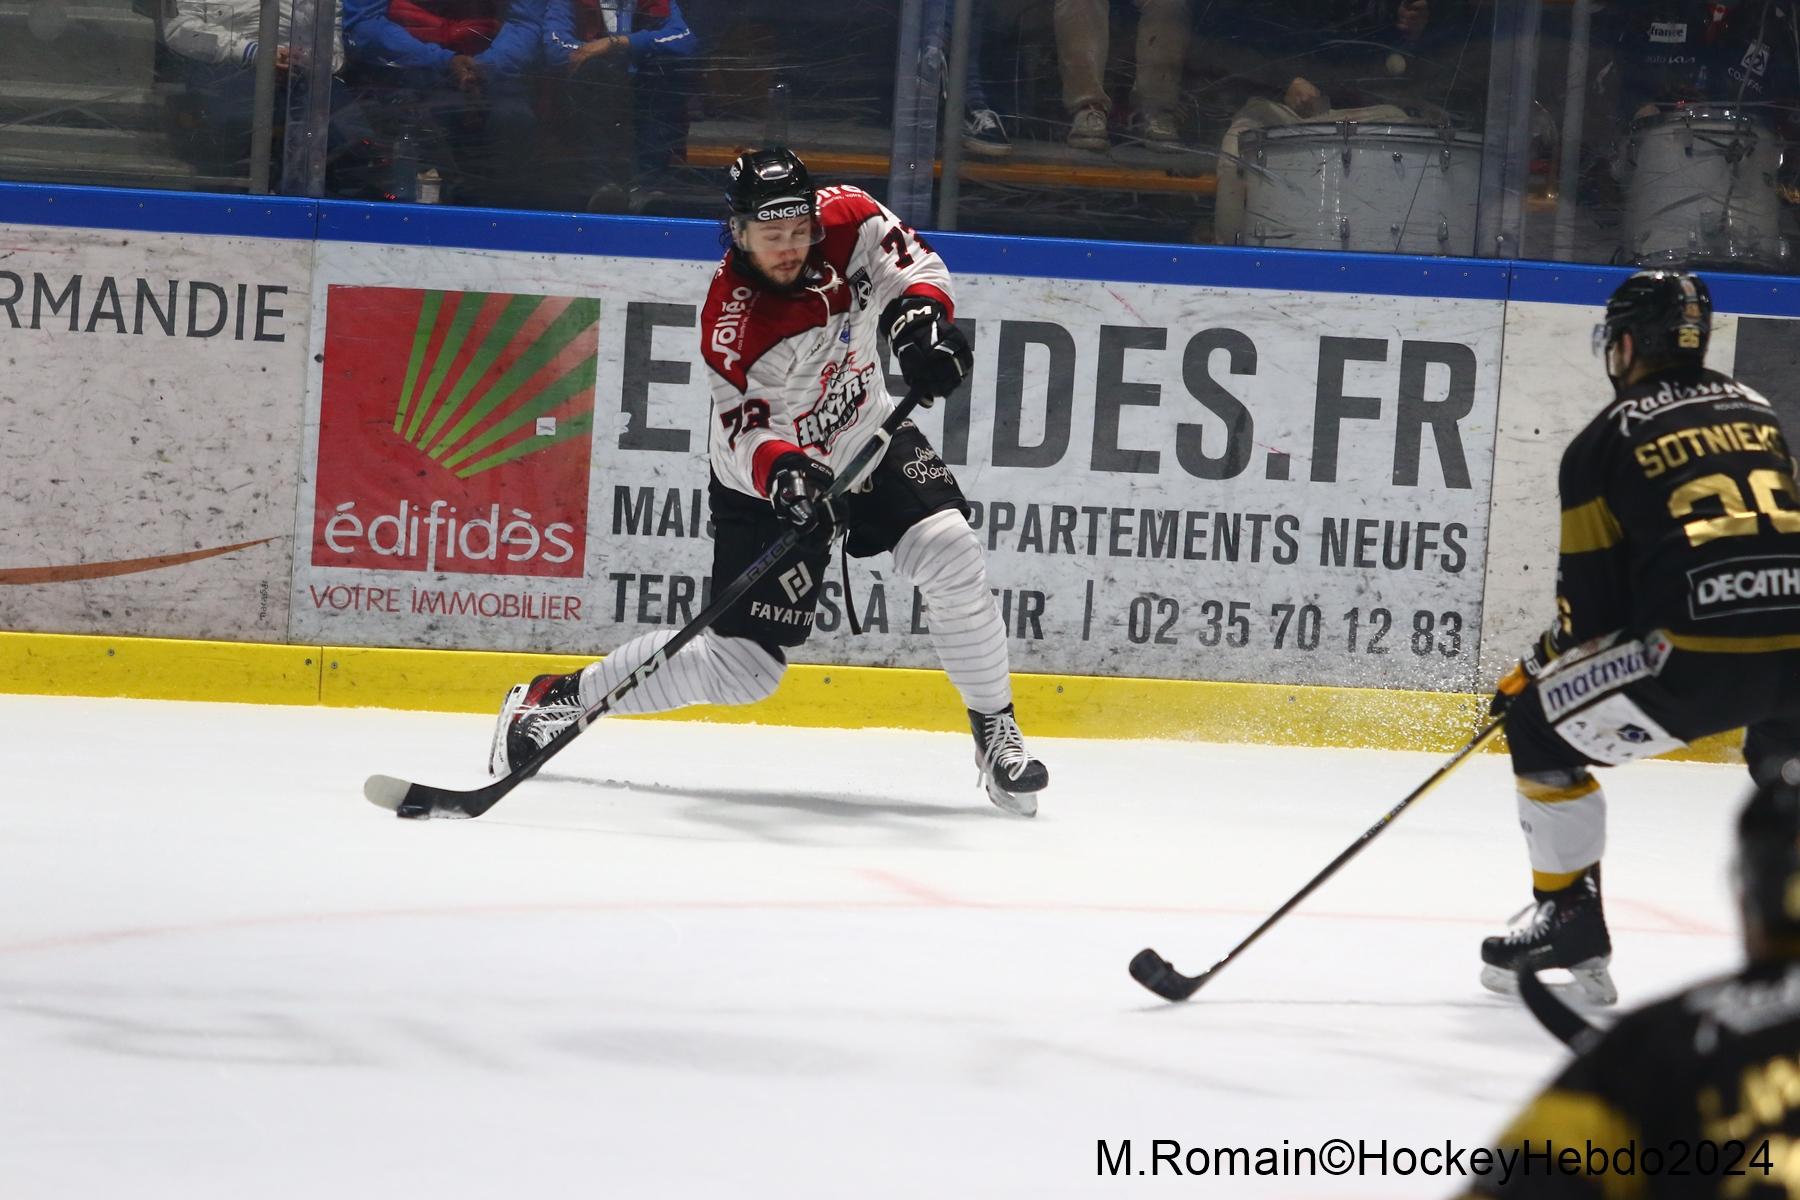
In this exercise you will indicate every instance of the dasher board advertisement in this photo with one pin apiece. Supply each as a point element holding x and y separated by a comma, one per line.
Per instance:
<point>150,396</point>
<point>507,451</point>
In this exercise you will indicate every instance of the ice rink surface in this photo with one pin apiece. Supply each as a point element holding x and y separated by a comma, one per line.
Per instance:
<point>748,962</point>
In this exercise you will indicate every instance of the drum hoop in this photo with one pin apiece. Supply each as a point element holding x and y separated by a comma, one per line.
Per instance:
<point>1698,114</point>
<point>1339,132</point>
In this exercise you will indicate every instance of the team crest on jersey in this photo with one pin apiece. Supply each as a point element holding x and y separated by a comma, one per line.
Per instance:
<point>843,386</point>
<point>864,288</point>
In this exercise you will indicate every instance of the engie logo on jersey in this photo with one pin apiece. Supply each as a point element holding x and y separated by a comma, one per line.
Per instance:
<point>455,432</point>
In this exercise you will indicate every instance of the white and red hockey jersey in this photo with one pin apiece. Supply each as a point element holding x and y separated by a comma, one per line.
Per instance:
<point>800,370</point>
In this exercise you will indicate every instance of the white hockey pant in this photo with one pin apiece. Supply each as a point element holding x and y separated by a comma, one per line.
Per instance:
<point>711,669</point>
<point>942,557</point>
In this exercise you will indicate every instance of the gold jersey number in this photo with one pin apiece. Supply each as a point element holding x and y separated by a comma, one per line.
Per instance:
<point>1738,520</point>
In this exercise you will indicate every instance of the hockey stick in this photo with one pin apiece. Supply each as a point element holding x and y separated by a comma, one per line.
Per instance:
<point>1160,976</point>
<point>406,799</point>
<point>1564,1023</point>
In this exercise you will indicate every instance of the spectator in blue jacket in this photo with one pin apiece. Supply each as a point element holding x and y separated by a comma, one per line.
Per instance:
<point>623,98</point>
<point>449,76</point>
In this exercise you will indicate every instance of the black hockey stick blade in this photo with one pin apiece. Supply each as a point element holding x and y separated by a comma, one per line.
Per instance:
<point>418,800</point>
<point>1160,976</point>
<point>1564,1023</point>
<point>1153,970</point>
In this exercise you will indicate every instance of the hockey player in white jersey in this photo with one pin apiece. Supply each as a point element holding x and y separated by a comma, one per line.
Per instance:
<point>810,281</point>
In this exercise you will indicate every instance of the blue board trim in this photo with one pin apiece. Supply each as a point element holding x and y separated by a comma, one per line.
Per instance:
<point>1043,258</point>
<point>151,211</point>
<point>1224,266</point>
<point>1749,295</point>
<point>517,232</point>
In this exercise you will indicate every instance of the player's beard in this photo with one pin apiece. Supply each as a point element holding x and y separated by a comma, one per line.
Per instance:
<point>746,265</point>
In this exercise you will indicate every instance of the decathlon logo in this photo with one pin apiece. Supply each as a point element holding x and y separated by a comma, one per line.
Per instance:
<point>1592,678</point>
<point>1744,585</point>
<point>796,581</point>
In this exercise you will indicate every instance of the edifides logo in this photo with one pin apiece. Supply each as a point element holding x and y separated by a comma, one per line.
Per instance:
<point>455,432</point>
<point>444,539</point>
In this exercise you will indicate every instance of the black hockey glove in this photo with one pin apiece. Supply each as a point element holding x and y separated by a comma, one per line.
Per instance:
<point>796,485</point>
<point>934,355</point>
<point>1512,685</point>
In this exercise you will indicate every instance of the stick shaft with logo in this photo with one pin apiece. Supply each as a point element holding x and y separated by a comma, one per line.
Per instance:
<point>407,799</point>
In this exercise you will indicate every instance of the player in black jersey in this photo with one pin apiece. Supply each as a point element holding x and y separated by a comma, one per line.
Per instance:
<point>1678,609</point>
<point>1697,1096</point>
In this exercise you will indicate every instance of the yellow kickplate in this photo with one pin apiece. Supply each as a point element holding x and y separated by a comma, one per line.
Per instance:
<point>158,668</point>
<point>836,697</point>
<point>467,681</point>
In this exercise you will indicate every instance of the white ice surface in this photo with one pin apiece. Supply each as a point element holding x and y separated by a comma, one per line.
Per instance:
<point>733,962</point>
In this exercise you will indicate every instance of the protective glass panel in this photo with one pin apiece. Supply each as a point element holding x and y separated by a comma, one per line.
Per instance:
<point>1661,134</point>
<point>1317,124</point>
<point>1321,125</point>
<point>612,106</point>
<point>145,93</point>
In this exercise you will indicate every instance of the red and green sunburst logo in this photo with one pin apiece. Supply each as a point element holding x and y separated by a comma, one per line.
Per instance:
<point>455,431</point>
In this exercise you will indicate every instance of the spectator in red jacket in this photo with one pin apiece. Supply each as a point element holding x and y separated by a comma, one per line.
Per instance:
<point>450,79</point>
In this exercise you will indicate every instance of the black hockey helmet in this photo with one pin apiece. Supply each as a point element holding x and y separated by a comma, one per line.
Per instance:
<point>1768,859</point>
<point>768,185</point>
<point>1667,313</point>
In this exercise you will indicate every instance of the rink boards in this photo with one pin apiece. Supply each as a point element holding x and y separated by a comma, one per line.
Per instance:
<point>313,447</point>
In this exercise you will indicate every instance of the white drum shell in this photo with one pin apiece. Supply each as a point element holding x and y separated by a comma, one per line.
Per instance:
<point>1345,186</point>
<point>1702,188</point>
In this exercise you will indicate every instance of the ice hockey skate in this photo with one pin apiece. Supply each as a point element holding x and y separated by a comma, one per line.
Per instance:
<point>1012,777</point>
<point>530,716</point>
<point>1565,929</point>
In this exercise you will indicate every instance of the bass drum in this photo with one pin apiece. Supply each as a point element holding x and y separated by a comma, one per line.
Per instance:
<point>1346,186</point>
<point>1702,191</point>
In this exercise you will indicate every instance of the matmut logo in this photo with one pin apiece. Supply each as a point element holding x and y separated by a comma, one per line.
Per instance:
<point>455,432</point>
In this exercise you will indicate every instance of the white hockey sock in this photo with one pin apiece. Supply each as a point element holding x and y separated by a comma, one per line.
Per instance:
<point>1564,818</point>
<point>943,558</point>
<point>711,669</point>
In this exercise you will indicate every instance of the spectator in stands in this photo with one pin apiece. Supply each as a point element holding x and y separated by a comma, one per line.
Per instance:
<point>1737,58</point>
<point>622,99</point>
<point>983,133</point>
<point>211,50</point>
<point>446,83</point>
<point>1332,60</point>
<point>1672,52</point>
<point>1082,40</point>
